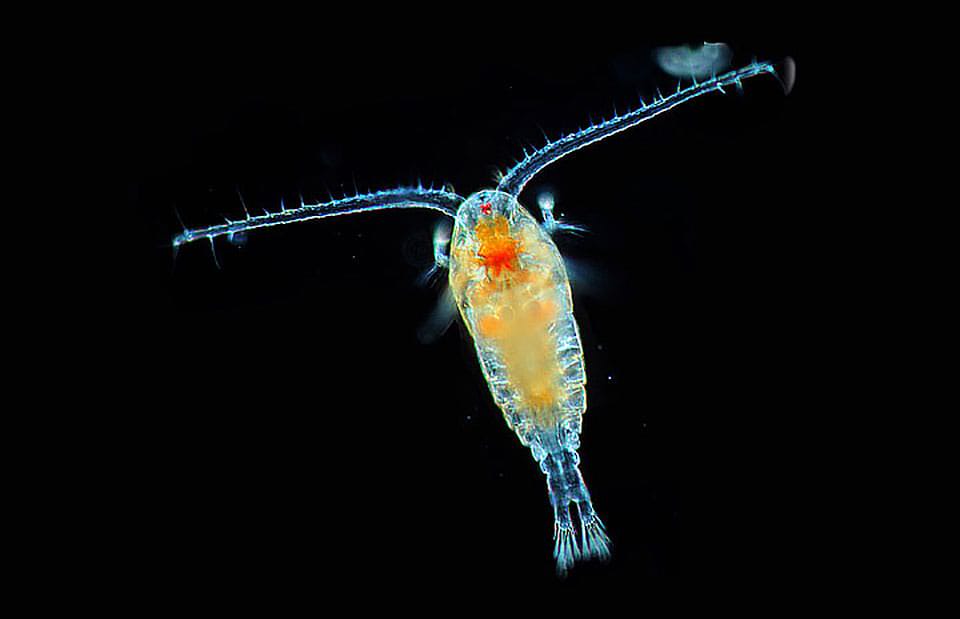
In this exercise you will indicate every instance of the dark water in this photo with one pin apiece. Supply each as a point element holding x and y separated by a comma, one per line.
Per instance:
<point>288,433</point>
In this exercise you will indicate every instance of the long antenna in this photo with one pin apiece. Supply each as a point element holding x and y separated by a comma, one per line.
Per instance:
<point>533,162</point>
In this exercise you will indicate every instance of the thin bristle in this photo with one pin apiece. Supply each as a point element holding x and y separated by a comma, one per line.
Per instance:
<point>596,543</point>
<point>565,549</point>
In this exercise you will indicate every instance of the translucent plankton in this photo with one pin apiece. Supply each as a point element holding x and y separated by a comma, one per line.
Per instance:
<point>509,284</point>
<point>693,62</point>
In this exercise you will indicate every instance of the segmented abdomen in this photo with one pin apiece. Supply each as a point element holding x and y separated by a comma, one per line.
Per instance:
<point>566,371</point>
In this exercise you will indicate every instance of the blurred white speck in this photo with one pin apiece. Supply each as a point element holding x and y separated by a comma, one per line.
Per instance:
<point>545,200</point>
<point>610,377</point>
<point>237,238</point>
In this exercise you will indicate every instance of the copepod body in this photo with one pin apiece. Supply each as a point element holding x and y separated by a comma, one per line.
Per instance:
<point>511,288</point>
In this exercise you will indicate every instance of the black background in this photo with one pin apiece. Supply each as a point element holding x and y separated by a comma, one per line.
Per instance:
<point>285,432</point>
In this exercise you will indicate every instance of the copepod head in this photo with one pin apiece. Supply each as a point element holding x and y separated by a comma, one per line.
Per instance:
<point>486,205</point>
<point>489,233</point>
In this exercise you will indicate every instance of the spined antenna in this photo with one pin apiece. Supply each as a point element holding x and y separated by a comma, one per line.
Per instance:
<point>533,162</point>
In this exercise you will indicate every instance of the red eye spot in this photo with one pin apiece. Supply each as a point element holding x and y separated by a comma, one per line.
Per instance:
<point>485,208</point>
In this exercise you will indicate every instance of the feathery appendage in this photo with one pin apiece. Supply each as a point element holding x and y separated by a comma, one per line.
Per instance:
<point>518,176</point>
<point>565,549</point>
<point>596,543</point>
<point>440,200</point>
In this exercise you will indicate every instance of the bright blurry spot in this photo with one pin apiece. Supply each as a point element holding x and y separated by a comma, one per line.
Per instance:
<point>545,200</point>
<point>237,238</point>
<point>441,235</point>
<point>689,61</point>
<point>439,320</point>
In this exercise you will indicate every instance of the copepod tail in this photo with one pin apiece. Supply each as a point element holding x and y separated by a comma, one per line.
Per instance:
<point>565,485</point>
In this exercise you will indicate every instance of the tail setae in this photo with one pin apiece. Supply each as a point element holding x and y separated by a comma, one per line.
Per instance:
<point>560,463</point>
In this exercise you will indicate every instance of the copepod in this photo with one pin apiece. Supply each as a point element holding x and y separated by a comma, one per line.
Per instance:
<point>513,294</point>
<point>511,288</point>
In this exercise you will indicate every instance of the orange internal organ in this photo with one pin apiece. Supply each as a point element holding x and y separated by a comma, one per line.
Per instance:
<point>498,249</point>
<point>517,320</point>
